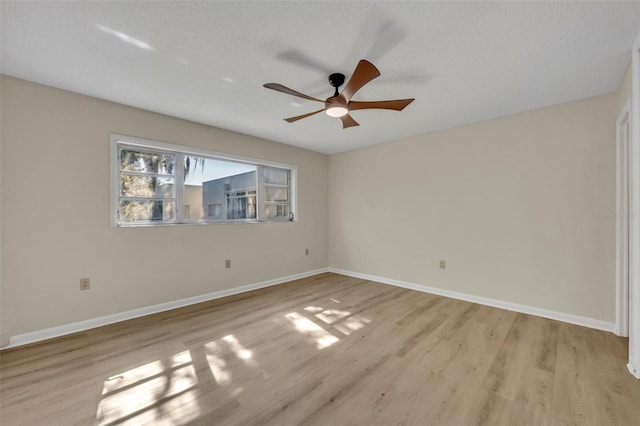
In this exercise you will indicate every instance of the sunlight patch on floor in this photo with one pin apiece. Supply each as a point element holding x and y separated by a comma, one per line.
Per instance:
<point>342,321</point>
<point>332,315</point>
<point>151,391</point>
<point>321,337</point>
<point>240,351</point>
<point>351,324</point>
<point>217,364</point>
<point>179,410</point>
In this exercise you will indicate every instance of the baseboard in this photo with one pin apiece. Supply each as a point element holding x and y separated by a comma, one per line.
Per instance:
<point>544,313</point>
<point>634,368</point>
<point>49,333</point>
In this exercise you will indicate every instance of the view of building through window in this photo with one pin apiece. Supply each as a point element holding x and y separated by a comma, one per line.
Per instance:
<point>158,186</point>
<point>211,184</point>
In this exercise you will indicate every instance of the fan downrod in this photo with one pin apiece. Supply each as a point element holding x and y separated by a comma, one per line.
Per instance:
<point>336,80</point>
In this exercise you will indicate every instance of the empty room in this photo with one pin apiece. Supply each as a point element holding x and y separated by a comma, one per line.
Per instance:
<point>319,213</point>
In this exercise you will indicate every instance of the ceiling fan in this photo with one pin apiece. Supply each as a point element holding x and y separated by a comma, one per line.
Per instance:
<point>340,104</point>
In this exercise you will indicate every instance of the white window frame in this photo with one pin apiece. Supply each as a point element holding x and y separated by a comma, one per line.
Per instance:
<point>148,144</point>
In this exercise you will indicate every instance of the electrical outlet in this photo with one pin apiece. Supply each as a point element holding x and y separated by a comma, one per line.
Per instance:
<point>227,263</point>
<point>442,264</point>
<point>306,252</point>
<point>85,284</point>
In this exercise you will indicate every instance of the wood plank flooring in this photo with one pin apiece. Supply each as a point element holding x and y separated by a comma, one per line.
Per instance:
<point>325,350</point>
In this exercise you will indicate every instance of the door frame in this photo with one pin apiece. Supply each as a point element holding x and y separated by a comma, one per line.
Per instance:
<point>634,216</point>
<point>623,141</point>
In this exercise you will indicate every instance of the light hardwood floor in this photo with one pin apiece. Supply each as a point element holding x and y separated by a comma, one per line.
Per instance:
<point>325,350</point>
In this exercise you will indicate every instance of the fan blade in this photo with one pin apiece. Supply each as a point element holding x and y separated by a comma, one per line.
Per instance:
<point>280,88</point>
<point>300,117</point>
<point>348,121</point>
<point>365,72</point>
<point>397,105</point>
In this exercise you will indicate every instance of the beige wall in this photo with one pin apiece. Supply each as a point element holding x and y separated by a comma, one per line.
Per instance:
<point>55,215</point>
<point>516,206</point>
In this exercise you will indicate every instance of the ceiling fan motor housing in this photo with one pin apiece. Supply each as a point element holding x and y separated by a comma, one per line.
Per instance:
<point>336,80</point>
<point>334,101</point>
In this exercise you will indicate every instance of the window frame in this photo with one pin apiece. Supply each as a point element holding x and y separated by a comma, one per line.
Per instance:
<point>116,140</point>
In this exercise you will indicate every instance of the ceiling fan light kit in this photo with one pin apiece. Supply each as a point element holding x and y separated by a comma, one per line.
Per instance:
<point>336,111</point>
<point>339,105</point>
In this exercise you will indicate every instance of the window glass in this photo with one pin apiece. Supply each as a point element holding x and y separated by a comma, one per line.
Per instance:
<point>161,184</point>
<point>135,160</point>
<point>276,176</point>
<point>147,211</point>
<point>212,182</point>
<point>274,211</point>
<point>145,186</point>
<point>276,193</point>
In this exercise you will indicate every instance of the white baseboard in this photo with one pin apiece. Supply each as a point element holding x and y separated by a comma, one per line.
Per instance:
<point>49,333</point>
<point>634,368</point>
<point>544,313</point>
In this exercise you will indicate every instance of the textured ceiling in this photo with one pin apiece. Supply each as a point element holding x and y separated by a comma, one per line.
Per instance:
<point>206,61</point>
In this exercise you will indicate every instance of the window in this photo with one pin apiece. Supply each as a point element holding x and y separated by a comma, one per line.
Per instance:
<point>214,211</point>
<point>156,183</point>
<point>241,204</point>
<point>276,193</point>
<point>146,185</point>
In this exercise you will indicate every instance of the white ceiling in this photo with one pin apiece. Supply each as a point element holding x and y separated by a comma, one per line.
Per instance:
<point>206,61</point>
